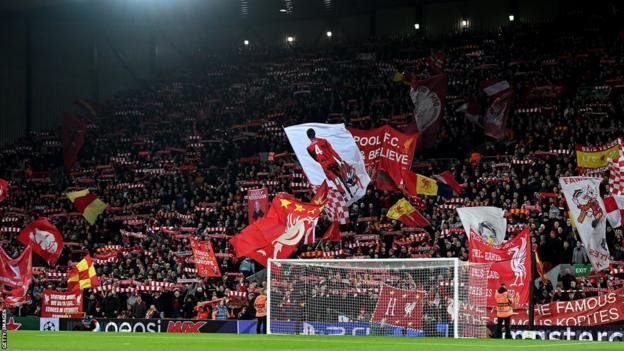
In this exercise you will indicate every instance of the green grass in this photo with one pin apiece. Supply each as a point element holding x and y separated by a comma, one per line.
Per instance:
<point>84,341</point>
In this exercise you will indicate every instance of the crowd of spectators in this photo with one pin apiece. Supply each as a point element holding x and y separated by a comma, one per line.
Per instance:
<point>175,159</point>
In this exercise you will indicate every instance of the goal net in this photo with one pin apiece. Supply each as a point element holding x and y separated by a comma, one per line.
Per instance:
<point>394,297</point>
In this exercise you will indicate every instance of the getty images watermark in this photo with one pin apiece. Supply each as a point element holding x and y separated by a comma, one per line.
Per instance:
<point>4,329</point>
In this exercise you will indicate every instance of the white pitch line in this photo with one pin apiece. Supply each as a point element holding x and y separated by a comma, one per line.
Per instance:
<point>555,343</point>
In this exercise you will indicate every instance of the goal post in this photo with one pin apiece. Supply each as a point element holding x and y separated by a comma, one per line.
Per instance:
<point>439,297</point>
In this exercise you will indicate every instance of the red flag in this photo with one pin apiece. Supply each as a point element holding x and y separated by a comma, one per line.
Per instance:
<point>399,307</point>
<point>447,178</point>
<point>257,203</point>
<point>320,197</point>
<point>16,273</point>
<point>46,239</point>
<point>511,264</point>
<point>60,304</point>
<point>385,151</point>
<point>495,119</point>
<point>429,97</point>
<point>332,233</point>
<point>204,257</point>
<point>74,130</point>
<point>4,189</point>
<point>277,234</point>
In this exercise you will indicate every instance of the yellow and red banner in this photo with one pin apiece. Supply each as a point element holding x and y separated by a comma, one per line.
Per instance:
<point>88,204</point>
<point>596,158</point>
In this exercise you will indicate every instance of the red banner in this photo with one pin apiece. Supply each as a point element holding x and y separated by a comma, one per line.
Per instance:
<point>399,307</point>
<point>204,257</point>
<point>257,203</point>
<point>596,310</point>
<point>16,272</point>
<point>396,149</point>
<point>60,304</point>
<point>511,264</point>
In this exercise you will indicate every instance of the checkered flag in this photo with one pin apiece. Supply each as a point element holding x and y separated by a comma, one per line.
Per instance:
<point>336,207</point>
<point>616,173</point>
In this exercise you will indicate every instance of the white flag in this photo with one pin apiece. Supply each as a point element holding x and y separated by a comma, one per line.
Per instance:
<point>588,211</point>
<point>487,221</point>
<point>327,152</point>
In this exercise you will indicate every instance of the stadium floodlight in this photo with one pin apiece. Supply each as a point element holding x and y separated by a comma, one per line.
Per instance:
<point>290,39</point>
<point>464,23</point>
<point>282,10</point>
<point>441,297</point>
<point>511,18</point>
<point>246,42</point>
<point>329,34</point>
<point>417,26</point>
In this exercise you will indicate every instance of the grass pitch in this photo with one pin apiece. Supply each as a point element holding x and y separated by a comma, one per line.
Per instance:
<point>84,341</point>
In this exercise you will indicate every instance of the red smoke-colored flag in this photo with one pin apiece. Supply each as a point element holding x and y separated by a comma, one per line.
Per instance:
<point>399,307</point>
<point>277,234</point>
<point>511,264</point>
<point>332,233</point>
<point>495,119</point>
<point>45,238</point>
<point>74,131</point>
<point>205,260</point>
<point>4,189</point>
<point>17,272</point>
<point>257,203</point>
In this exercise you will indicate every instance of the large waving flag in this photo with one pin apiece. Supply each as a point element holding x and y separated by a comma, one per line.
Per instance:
<point>88,204</point>
<point>386,151</point>
<point>82,275</point>
<point>428,97</point>
<point>511,264</point>
<point>45,238</point>
<point>327,152</point>
<point>447,178</point>
<point>495,119</point>
<point>16,272</point>
<point>277,234</point>
<point>588,211</point>
<point>488,222</point>
<point>404,212</point>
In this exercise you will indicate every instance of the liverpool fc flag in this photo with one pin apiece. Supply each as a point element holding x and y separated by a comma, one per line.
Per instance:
<point>88,204</point>
<point>404,212</point>
<point>82,275</point>
<point>277,234</point>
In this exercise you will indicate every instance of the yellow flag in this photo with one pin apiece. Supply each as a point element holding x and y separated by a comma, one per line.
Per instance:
<point>426,186</point>
<point>400,208</point>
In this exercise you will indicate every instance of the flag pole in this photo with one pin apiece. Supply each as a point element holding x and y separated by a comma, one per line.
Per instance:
<point>532,293</point>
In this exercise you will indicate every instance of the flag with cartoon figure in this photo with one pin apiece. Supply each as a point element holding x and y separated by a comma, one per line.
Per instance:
<point>589,215</point>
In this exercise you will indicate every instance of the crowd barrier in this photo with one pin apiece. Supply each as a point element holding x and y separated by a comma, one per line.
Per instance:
<point>608,333</point>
